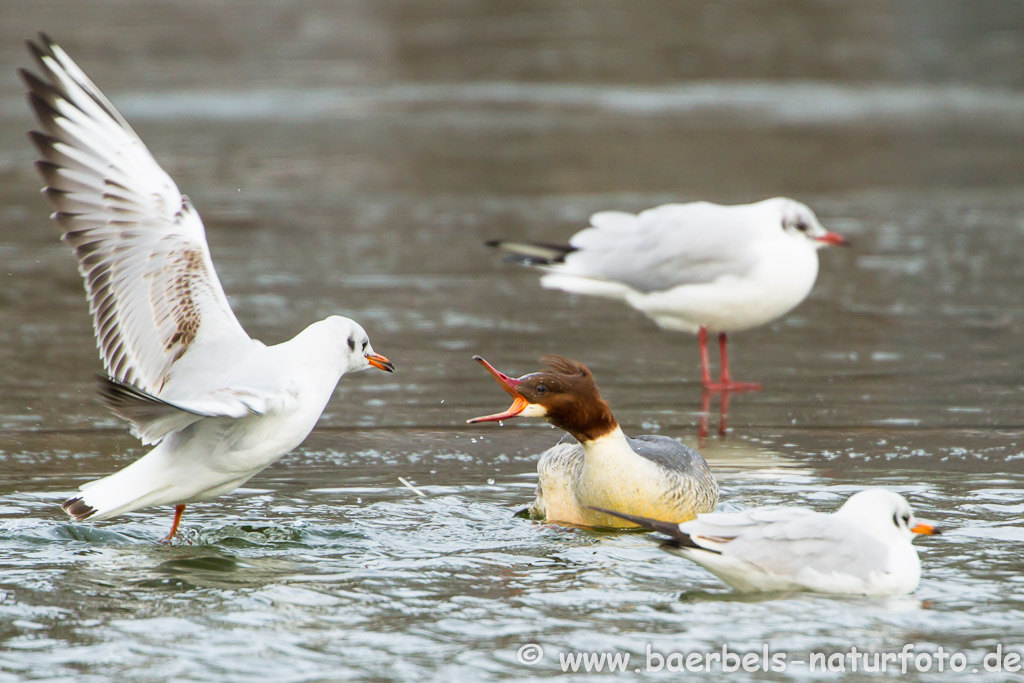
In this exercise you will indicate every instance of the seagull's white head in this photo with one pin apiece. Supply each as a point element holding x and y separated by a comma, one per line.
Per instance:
<point>799,222</point>
<point>354,345</point>
<point>884,514</point>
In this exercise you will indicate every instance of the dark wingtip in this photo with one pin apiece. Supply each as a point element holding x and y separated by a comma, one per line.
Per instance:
<point>78,509</point>
<point>677,537</point>
<point>493,243</point>
<point>478,357</point>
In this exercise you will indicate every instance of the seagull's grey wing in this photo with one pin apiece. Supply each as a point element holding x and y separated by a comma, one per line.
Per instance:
<point>152,418</point>
<point>663,247</point>
<point>141,247</point>
<point>816,541</point>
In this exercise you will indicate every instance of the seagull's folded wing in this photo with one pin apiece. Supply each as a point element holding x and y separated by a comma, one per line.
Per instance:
<point>663,247</point>
<point>141,247</point>
<point>153,418</point>
<point>816,542</point>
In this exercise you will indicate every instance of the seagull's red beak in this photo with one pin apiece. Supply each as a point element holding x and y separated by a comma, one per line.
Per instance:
<point>507,383</point>
<point>380,362</point>
<point>926,529</point>
<point>833,238</point>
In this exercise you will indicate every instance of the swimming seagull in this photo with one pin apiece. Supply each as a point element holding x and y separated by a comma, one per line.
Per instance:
<point>218,405</point>
<point>862,548</point>
<point>596,464</point>
<point>699,267</point>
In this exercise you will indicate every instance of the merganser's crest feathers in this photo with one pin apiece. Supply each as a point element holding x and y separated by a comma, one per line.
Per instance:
<point>566,366</point>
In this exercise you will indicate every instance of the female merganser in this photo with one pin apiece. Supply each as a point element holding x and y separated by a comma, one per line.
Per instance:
<point>595,464</point>
<point>862,548</point>
<point>697,267</point>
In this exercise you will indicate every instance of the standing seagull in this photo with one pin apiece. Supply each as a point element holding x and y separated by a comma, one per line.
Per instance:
<point>862,548</point>
<point>697,267</point>
<point>219,405</point>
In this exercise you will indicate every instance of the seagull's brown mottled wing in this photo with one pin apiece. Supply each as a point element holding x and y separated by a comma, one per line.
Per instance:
<point>141,247</point>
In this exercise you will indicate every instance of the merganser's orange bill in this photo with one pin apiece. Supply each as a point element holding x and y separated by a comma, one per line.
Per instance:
<point>518,406</point>
<point>926,529</point>
<point>507,383</point>
<point>834,238</point>
<point>380,362</point>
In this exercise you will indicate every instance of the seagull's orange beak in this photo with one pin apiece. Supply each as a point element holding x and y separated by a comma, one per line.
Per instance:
<point>507,383</point>
<point>926,529</point>
<point>380,362</point>
<point>834,238</point>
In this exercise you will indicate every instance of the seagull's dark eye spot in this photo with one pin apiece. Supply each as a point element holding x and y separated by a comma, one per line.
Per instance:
<point>366,342</point>
<point>906,519</point>
<point>801,226</point>
<point>351,344</point>
<point>896,519</point>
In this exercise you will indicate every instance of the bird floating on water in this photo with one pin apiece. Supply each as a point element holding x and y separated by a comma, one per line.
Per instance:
<point>862,548</point>
<point>218,405</point>
<point>596,464</point>
<point>699,267</point>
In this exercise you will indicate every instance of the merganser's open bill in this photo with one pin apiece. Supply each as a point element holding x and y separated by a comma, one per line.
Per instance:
<point>595,461</point>
<point>218,405</point>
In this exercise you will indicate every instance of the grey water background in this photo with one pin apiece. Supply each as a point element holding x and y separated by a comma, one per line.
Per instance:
<point>352,157</point>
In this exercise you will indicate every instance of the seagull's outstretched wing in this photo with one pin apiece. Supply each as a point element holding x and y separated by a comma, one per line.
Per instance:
<point>141,247</point>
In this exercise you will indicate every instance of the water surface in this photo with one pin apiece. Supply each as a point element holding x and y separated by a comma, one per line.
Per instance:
<point>352,158</point>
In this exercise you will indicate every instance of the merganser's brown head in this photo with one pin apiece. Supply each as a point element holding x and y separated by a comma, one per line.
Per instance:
<point>566,395</point>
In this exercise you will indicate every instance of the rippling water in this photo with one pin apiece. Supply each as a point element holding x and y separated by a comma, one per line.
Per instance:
<point>352,158</point>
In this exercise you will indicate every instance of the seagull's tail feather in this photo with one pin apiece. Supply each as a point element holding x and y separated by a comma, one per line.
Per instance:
<point>679,538</point>
<point>533,253</point>
<point>139,485</point>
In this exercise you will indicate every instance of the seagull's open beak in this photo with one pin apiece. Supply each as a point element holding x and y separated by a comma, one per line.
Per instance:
<point>507,383</point>
<point>926,529</point>
<point>833,238</point>
<point>380,362</point>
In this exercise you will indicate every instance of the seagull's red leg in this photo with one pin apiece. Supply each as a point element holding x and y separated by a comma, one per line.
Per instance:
<point>179,510</point>
<point>725,382</point>
<point>705,372</point>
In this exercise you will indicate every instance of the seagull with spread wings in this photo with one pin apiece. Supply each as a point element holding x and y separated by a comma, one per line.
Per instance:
<point>218,405</point>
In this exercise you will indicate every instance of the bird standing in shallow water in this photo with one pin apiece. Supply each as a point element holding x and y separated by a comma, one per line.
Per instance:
<point>863,548</point>
<point>219,405</point>
<point>699,267</point>
<point>596,464</point>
